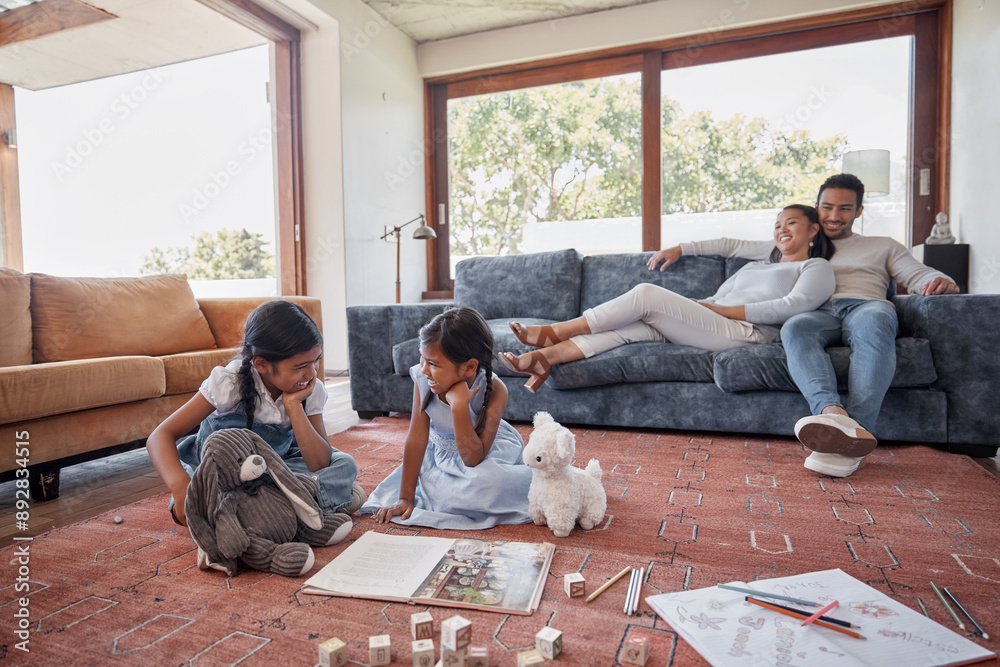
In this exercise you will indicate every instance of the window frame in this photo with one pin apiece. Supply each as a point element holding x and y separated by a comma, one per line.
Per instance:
<point>928,22</point>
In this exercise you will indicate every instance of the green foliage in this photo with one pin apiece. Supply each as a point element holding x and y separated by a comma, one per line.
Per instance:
<point>230,254</point>
<point>574,152</point>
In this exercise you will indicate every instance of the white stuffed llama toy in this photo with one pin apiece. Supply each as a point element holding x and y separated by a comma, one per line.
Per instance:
<point>561,495</point>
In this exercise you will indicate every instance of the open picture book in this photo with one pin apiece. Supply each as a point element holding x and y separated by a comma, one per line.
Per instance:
<point>489,575</point>
<point>727,630</point>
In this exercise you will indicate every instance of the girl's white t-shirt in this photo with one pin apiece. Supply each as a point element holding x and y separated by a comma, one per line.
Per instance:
<point>222,389</point>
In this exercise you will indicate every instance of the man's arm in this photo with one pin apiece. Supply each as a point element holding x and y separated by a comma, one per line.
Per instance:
<point>914,277</point>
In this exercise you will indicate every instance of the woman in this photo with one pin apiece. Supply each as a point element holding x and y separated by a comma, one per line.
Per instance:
<point>748,308</point>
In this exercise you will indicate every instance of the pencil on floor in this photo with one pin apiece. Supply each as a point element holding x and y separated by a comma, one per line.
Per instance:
<point>607,584</point>
<point>630,592</point>
<point>966,612</point>
<point>638,590</point>
<point>961,626</point>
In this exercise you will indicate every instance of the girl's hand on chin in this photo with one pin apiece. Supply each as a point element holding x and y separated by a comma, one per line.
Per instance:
<point>300,395</point>
<point>460,392</point>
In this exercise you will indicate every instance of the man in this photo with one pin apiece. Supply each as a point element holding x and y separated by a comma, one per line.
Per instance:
<point>858,314</point>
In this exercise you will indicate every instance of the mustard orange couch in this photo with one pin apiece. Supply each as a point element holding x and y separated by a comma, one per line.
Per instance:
<point>90,366</point>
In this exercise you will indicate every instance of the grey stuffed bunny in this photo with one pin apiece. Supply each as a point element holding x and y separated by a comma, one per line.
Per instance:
<point>244,503</point>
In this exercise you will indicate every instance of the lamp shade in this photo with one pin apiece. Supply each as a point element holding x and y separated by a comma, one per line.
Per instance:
<point>872,167</point>
<point>424,232</point>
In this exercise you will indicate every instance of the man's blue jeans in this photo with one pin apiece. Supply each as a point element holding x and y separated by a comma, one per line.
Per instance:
<point>869,328</point>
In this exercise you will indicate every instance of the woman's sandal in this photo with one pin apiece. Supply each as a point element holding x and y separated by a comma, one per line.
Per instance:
<point>546,334</point>
<point>538,368</point>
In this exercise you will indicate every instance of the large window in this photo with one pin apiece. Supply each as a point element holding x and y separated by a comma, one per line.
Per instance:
<point>690,139</point>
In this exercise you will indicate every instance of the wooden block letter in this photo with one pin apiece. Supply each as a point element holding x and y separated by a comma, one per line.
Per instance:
<point>575,585</point>
<point>332,653</point>
<point>456,633</point>
<point>422,625</point>
<point>548,642</point>
<point>530,658</point>
<point>479,656</point>
<point>379,650</point>
<point>636,651</point>
<point>423,652</point>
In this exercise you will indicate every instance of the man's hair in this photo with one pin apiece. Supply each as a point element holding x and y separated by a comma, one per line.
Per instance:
<point>843,182</point>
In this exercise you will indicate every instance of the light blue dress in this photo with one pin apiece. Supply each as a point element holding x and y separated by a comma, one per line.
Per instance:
<point>450,494</point>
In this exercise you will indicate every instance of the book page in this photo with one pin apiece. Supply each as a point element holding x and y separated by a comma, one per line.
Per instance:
<point>381,566</point>
<point>727,630</point>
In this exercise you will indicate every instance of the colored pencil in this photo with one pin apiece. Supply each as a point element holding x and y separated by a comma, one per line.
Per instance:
<point>829,607</point>
<point>961,626</point>
<point>828,619</point>
<point>967,614</point>
<point>631,592</point>
<point>762,594</point>
<point>607,585</point>
<point>638,590</point>
<point>831,626</point>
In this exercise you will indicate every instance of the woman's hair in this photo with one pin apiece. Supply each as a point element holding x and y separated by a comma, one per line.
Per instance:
<point>462,334</point>
<point>821,246</point>
<point>274,331</point>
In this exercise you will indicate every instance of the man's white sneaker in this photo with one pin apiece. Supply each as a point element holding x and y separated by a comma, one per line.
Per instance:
<point>834,465</point>
<point>834,434</point>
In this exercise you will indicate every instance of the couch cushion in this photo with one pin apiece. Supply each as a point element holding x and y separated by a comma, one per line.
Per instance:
<point>15,323</point>
<point>85,318</point>
<point>764,367</point>
<point>186,371</point>
<point>545,284</point>
<point>607,276</point>
<point>638,362</point>
<point>42,390</point>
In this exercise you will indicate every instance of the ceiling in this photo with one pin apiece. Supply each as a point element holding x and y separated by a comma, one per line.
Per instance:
<point>429,20</point>
<point>142,34</point>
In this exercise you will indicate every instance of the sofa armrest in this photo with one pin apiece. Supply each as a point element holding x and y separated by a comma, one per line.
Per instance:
<point>958,329</point>
<point>226,317</point>
<point>372,331</point>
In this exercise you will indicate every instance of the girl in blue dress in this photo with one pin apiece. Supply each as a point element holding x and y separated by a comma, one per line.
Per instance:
<point>462,466</point>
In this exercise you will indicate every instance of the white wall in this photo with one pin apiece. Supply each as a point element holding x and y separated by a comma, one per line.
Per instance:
<point>362,124</point>
<point>975,162</point>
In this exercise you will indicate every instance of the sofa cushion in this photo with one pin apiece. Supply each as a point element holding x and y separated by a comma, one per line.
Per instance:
<point>85,318</point>
<point>186,371</point>
<point>545,284</point>
<point>15,324</point>
<point>607,276</point>
<point>764,367</point>
<point>42,390</point>
<point>638,362</point>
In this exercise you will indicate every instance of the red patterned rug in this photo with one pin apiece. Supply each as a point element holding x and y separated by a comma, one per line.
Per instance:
<point>693,510</point>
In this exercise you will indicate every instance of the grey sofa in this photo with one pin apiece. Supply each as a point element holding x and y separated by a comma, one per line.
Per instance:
<point>943,390</point>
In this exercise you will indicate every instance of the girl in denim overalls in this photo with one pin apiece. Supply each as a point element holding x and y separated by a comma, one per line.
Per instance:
<point>272,389</point>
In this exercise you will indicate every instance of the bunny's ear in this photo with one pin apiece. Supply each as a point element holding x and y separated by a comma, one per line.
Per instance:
<point>203,500</point>
<point>542,418</point>
<point>303,502</point>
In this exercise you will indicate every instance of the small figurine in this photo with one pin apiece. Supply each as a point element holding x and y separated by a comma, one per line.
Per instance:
<point>941,232</point>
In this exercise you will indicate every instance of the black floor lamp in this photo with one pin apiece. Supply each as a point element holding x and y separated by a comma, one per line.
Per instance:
<point>422,232</point>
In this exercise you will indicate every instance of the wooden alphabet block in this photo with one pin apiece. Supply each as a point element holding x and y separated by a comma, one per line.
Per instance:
<point>575,585</point>
<point>379,650</point>
<point>530,658</point>
<point>548,642</point>
<point>452,657</point>
<point>333,653</point>
<point>636,650</point>
<point>422,625</point>
<point>478,656</point>
<point>423,653</point>
<point>456,633</point>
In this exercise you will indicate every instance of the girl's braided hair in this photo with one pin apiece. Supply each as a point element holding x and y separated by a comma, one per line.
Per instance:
<point>462,334</point>
<point>274,331</point>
